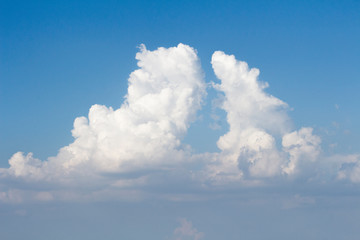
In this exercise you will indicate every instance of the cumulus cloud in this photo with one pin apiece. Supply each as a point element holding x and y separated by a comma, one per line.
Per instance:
<point>252,115</point>
<point>163,97</point>
<point>260,142</point>
<point>255,119</point>
<point>115,150</point>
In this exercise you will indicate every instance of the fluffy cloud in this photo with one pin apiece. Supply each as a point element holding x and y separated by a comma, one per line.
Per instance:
<point>163,97</point>
<point>139,144</point>
<point>259,142</point>
<point>255,119</point>
<point>251,115</point>
<point>301,145</point>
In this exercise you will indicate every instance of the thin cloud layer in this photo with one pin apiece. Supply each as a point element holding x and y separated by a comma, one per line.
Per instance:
<point>119,151</point>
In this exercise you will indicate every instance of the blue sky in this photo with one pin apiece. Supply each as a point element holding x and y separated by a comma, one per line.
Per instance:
<point>57,59</point>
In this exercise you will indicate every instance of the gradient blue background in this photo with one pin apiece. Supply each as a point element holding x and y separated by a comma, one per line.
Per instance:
<point>57,58</point>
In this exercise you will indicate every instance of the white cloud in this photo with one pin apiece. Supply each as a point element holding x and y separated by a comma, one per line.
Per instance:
<point>250,149</point>
<point>252,115</point>
<point>163,97</point>
<point>186,231</point>
<point>246,103</point>
<point>301,145</point>
<point>117,152</point>
<point>255,119</point>
<point>25,165</point>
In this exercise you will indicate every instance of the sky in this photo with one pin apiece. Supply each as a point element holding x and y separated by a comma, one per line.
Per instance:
<point>179,120</point>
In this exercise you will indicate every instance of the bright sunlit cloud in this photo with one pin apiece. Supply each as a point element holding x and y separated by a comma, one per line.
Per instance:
<point>124,150</point>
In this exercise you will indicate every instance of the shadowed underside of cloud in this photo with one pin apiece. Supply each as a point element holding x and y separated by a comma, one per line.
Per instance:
<point>139,144</point>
